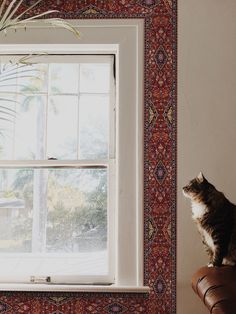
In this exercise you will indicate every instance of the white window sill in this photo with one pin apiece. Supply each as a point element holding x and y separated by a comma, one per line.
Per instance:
<point>73,288</point>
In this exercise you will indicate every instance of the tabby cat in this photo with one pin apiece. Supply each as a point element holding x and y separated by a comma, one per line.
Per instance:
<point>215,217</point>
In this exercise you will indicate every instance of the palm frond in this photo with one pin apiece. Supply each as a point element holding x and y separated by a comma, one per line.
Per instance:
<point>57,22</point>
<point>20,68</point>
<point>7,113</point>
<point>2,6</point>
<point>6,108</point>
<point>8,20</point>
<point>28,59</point>
<point>8,10</point>
<point>5,119</point>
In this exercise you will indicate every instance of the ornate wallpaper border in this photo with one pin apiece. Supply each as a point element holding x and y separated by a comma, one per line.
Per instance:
<point>160,136</point>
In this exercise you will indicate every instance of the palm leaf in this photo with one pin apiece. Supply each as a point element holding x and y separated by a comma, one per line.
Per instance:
<point>5,119</point>
<point>7,113</point>
<point>20,69</point>
<point>8,20</point>
<point>29,9</point>
<point>2,6</point>
<point>10,12</point>
<point>57,22</point>
<point>6,108</point>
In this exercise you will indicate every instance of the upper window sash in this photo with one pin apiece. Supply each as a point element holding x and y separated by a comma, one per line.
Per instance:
<point>81,102</point>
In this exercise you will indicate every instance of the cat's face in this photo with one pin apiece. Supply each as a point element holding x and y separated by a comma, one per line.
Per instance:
<point>195,187</point>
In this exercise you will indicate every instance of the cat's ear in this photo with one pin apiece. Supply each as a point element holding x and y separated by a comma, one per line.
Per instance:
<point>200,177</point>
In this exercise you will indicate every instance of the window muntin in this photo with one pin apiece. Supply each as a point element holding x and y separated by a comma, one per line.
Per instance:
<point>35,135</point>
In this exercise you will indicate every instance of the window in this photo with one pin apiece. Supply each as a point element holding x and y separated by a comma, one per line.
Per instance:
<point>124,163</point>
<point>57,140</point>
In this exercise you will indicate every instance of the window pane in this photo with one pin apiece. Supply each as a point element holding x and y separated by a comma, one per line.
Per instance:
<point>32,78</point>
<point>62,127</point>
<point>93,126</point>
<point>48,213</point>
<point>64,78</point>
<point>7,120</point>
<point>22,127</point>
<point>94,78</point>
<point>73,200</point>
<point>77,210</point>
<point>81,264</point>
<point>8,81</point>
<point>29,131</point>
<point>16,204</point>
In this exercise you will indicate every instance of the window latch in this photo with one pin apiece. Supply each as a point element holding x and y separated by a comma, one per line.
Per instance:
<point>41,279</point>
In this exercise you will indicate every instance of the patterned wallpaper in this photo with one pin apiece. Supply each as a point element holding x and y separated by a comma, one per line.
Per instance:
<point>160,17</point>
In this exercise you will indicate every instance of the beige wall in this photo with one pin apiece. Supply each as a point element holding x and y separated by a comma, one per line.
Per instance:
<point>206,121</point>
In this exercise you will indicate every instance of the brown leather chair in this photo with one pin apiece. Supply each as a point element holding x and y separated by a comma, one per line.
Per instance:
<point>216,286</point>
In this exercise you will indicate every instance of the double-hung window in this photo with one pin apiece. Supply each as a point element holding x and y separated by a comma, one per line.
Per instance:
<point>57,168</point>
<point>71,158</point>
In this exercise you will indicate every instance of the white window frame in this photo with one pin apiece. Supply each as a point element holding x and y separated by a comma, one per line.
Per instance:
<point>124,39</point>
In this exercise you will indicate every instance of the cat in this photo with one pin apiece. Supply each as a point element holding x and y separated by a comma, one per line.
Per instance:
<point>215,217</point>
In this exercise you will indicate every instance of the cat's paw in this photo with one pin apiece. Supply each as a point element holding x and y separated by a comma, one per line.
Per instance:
<point>210,265</point>
<point>228,262</point>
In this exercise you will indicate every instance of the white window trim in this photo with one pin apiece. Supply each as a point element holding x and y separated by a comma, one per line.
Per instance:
<point>124,38</point>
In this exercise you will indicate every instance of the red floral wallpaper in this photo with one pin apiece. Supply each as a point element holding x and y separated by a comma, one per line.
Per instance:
<point>160,18</point>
